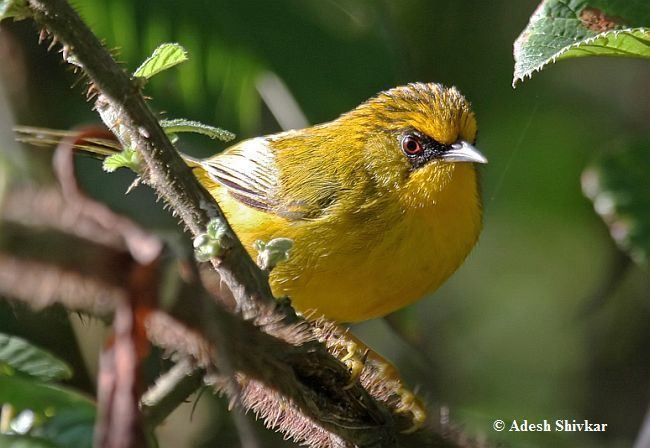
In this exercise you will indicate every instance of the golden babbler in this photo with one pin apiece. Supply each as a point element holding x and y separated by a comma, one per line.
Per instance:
<point>382,203</point>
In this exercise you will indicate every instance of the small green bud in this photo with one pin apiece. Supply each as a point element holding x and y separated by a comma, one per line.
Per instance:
<point>210,244</point>
<point>216,229</point>
<point>201,240</point>
<point>273,252</point>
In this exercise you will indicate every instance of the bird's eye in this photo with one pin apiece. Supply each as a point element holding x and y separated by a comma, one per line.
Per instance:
<point>411,145</point>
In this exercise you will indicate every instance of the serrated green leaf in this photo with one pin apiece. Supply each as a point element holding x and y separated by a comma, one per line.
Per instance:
<point>18,9</point>
<point>128,158</point>
<point>22,356</point>
<point>618,184</point>
<point>563,29</point>
<point>163,57</point>
<point>173,127</point>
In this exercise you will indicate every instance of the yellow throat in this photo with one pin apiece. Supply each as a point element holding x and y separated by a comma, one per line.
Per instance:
<point>382,204</point>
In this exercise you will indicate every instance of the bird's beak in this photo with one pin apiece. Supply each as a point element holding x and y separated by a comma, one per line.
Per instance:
<point>462,151</point>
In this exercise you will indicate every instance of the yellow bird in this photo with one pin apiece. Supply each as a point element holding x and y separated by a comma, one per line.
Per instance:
<point>382,204</point>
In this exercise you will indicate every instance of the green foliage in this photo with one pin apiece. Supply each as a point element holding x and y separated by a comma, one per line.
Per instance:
<point>18,441</point>
<point>162,58</point>
<point>41,398</point>
<point>19,355</point>
<point>70,427</point>
<point>17,9</point>
<point>36,413</point>
<point>563,29</point>
<point>127,158</point>
<point>173,127</point>
<point>233,43</point>
<point>619,186</point>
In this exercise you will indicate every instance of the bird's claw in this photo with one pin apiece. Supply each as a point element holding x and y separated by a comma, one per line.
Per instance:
<point>376,374</point>
<point>410,403</point>
<point>354,360</point>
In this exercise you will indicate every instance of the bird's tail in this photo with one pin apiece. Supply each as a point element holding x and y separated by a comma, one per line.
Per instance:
<point>95,141</point>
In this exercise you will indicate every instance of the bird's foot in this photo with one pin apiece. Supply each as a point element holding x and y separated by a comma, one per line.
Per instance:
<point>377,375</point>
<point>385,383</point>
<point>411,403</point>
<point>354,358</point>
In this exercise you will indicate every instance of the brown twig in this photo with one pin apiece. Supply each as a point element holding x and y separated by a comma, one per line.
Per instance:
<point>170,389</point>
<point>118,422</point>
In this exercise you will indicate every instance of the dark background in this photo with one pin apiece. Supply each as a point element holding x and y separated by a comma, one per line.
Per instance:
<point>509,336</point>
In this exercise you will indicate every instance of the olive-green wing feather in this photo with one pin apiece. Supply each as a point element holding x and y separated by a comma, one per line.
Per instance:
<point>250,173</point>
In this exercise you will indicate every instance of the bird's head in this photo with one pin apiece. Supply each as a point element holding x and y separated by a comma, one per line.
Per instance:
<point>418,138</point>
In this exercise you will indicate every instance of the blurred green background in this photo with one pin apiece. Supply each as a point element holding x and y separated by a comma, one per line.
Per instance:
<point>546,319</point>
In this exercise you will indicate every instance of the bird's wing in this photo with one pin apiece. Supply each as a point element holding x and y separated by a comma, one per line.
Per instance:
<point>251,175</point>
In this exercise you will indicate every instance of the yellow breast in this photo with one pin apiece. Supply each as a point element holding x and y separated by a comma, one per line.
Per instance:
<point>356,266</point>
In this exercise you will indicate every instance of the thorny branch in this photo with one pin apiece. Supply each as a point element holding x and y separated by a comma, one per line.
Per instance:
<point>276,375</point>
<point>281,372</point>
<point>125,112</point>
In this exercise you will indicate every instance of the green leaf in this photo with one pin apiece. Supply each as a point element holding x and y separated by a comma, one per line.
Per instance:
<point>65,417</point>
<point>127,158</point>
<point>28,393</point>
<point>563,29</point>
<point>22,356</point>
<point>618,184</point>
<point>16,441</point>
<point>163,57</point>
<point>18,9</point>
<point>178,125</point>
<point>70,427</point>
